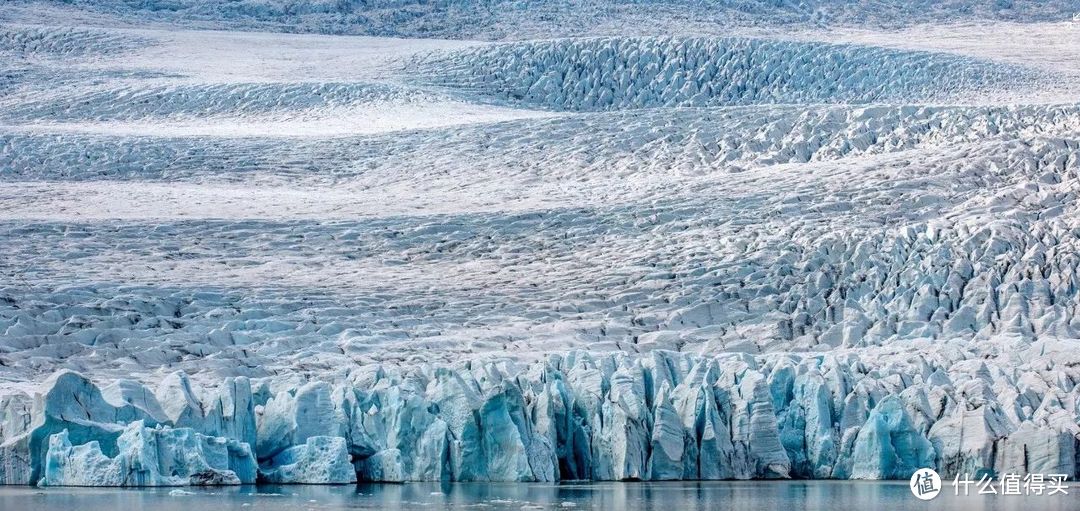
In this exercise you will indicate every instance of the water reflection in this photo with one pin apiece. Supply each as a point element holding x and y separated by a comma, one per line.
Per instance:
<point>673,496</point>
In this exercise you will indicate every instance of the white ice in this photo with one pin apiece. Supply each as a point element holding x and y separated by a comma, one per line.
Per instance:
<point>699,248</point>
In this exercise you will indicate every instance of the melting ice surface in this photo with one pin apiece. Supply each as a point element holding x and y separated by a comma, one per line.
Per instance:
<point>675,495</point>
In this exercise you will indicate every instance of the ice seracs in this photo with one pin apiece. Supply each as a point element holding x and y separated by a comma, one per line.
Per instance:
<point>158,456</point>
<point>319,460</point>
<point>888,445</point>
<point>236,257</point>
<point>870,413</point>
<point>599,74</point>
<point>502,19</point>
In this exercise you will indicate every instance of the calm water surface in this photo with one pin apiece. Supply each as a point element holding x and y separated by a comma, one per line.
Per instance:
<point>673,496</point>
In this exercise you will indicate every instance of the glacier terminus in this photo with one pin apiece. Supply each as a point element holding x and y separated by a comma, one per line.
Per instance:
<point>314,242</point>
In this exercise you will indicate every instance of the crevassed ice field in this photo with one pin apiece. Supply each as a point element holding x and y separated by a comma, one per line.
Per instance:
<point>322,242</point>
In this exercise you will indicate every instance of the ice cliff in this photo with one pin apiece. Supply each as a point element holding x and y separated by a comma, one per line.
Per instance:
<point>160,456</point>
<point>1007,406</point>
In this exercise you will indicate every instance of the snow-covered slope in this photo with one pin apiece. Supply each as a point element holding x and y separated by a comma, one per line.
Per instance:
<point>300,258</point>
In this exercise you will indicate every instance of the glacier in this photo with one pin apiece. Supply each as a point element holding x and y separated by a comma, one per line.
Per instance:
<point>859,414</point>
<point>599,74</point>
<point>567,243</point>
<point>495,19</point>
<point>148,457</point>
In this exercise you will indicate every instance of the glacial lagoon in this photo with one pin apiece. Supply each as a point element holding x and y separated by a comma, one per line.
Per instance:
<point>667,496</point>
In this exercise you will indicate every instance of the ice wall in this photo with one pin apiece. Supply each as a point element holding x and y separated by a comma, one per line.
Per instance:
<point>876,413</point>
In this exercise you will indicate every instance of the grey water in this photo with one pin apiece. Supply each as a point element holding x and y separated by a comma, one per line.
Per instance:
<point>665,496</point>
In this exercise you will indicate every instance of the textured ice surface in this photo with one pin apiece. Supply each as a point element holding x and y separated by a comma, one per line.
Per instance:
<point>503,18</point>
<point>202,101</point>
<point>149,457</point>
<point>1003,406</point>
<point>621,73</point>
<point>239,256</point>
<point>39,42</point>
<point>319,460</point>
